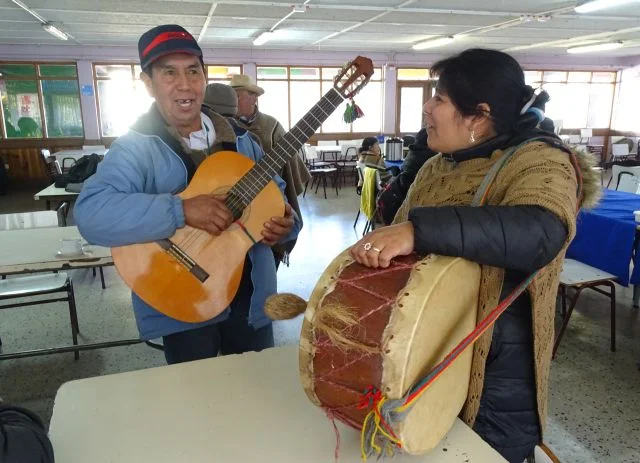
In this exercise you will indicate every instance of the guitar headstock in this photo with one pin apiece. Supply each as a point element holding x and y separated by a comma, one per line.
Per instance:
<point>353,76</point>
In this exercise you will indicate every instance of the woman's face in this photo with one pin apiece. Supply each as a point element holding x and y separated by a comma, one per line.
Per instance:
<point>375,149</point>
<point>448,130</point>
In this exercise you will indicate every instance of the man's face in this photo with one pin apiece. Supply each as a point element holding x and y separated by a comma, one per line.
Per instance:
<point>246,102</point>
<point>177,83</point>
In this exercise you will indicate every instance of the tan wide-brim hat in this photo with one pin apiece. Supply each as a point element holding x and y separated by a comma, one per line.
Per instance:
<point>243,82</point>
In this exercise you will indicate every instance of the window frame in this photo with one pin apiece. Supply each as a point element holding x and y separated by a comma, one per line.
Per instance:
<point>38,78</point>
<point>614,83</point>
<point>428,86</point>
<point>320,134</point>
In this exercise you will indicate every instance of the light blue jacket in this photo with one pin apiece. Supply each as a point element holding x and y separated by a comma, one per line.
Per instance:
<point>132,199</point>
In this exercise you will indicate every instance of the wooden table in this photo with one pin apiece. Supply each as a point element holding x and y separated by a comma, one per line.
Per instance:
<point>22,220</point>
<point>51,193</point>
<point>34,250</point>
<point>234,409</point>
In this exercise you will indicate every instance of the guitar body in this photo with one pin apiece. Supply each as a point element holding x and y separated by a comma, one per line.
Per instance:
<point>161,280</point>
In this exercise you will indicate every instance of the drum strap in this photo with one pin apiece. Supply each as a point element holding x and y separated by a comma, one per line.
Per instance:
<point>377,433</point>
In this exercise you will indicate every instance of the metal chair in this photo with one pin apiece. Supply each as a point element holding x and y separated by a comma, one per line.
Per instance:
<point>320,176</point>
<point>618,171</point>
<point>579,276</point>
<point>628,183</point>
<point>39,285</point>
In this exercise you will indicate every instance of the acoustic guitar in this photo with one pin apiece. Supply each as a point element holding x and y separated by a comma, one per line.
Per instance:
<point>193,276</point>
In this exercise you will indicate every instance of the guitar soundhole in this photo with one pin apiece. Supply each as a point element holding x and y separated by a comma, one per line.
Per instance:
<point>236,204</point>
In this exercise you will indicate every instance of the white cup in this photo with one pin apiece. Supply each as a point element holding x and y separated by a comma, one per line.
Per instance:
<point>636,215</point>
<point>71,246</point>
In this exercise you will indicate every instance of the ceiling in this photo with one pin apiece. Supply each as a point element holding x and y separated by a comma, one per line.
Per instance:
<point>542,27</point>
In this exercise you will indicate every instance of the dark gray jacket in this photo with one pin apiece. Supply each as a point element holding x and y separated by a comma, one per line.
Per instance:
<point>23,438</point>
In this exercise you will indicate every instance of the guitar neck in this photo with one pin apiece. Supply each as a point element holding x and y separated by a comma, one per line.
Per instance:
<point>272,163</point>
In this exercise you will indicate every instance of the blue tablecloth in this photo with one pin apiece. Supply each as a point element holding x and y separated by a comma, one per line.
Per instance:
<point>605,236</point>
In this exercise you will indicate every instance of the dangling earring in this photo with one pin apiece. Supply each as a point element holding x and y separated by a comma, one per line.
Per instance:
<point>472,136</point>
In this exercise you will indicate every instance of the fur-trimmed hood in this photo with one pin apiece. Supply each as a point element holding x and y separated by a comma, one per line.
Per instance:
<point>591,186</point>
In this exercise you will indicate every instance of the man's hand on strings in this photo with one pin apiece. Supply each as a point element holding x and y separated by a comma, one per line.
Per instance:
<point>207,212</point>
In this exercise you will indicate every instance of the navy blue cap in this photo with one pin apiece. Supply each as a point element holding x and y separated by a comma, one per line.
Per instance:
<point>164,40</point>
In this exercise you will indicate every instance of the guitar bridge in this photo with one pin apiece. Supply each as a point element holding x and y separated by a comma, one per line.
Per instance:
<point>183,258</point>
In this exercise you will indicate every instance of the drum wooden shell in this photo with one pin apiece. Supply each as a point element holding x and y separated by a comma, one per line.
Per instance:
<point>412,314</point>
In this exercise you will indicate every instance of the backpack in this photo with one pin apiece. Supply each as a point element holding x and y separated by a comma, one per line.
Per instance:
<point>23,438</point>
<point>84,168</point>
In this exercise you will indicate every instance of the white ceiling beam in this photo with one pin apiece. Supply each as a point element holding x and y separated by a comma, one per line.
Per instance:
<point>362,23</point>
<point>573,40</point>
<point>214,5</point>
<point>427,11</point>
<point>418,10</point>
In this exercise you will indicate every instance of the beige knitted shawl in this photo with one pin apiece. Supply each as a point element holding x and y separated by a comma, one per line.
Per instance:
<point>537,175</point>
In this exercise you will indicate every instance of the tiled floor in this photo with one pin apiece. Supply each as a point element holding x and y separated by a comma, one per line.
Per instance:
<point>594,393</point>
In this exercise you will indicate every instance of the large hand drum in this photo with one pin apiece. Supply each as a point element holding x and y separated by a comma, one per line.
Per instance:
<point>369,333</point>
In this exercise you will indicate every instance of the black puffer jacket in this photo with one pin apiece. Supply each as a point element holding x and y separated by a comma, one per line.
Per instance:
<point>520,239</point>
<point>390,199</point>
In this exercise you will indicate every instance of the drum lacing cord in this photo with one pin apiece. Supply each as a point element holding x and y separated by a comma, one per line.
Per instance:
<point>377,434</point>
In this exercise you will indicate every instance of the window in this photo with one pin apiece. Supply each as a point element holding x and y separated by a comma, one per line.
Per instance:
<point>291,91</point>
<point>413,74</point>
<point>123,97</point>
<point>39,101</point>
<point>415,87</point>
<point>580,99</point>
<point>625,117</point>
<point>220,74</point>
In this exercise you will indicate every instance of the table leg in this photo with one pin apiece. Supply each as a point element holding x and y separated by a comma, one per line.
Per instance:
<point>636,296</point>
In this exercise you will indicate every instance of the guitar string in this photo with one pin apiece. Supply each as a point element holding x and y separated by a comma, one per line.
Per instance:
<point>259,176</point>
<point>255,185</point>
<point>263,176</point>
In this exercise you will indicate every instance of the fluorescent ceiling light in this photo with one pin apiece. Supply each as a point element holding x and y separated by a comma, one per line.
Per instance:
<point>594,5</point>
<point>53,30</point>
<point>263,38</point>
<point>434,42</point>
<point>595,47</point>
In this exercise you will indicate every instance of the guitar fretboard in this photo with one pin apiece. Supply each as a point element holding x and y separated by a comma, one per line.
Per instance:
<point>248,187</point>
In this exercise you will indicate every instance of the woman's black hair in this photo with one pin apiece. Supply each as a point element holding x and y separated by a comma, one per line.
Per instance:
<point>367,144</point>
<point>478,76</point>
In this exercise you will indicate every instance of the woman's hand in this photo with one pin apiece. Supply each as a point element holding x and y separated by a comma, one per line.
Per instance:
<point>378,248</point>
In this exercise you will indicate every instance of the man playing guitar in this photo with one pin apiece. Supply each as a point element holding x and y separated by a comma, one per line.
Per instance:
<point>133,198</point>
